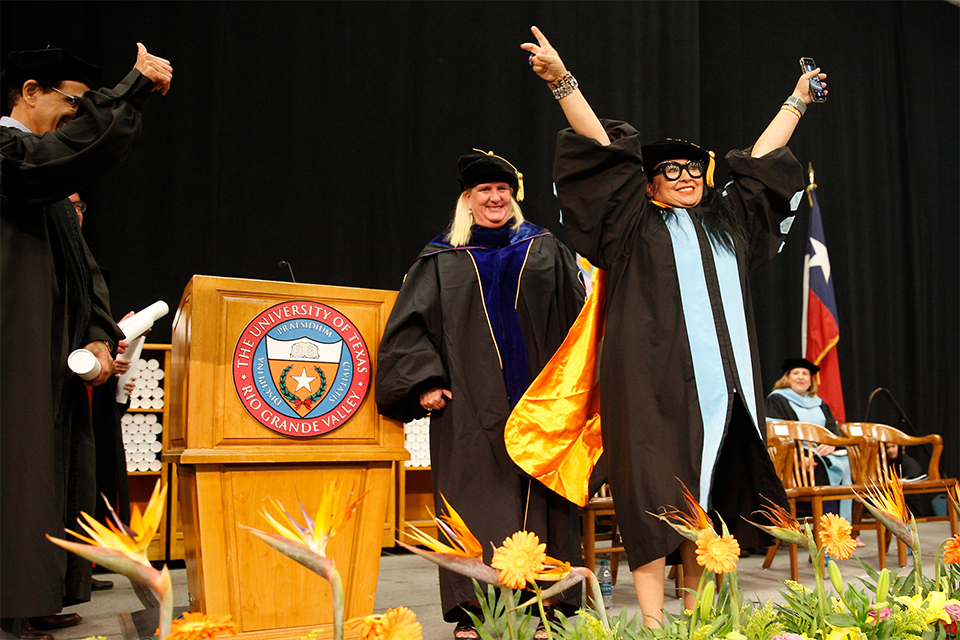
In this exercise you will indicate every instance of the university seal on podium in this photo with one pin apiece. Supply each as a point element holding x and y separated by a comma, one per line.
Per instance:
<point>301,368</point>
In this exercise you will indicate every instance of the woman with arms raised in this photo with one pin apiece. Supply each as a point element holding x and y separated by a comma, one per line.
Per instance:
<point>679,377</point>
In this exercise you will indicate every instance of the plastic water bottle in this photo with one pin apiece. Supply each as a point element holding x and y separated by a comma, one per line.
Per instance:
<point>605,578</point>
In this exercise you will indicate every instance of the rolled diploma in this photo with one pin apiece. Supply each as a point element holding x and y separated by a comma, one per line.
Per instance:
<point>133,327</point>
<point>132,354</point>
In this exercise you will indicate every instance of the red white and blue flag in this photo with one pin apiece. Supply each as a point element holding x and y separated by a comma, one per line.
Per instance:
<point>821,326</point>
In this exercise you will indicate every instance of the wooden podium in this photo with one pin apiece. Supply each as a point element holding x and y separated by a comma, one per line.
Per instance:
<point>260,406</point>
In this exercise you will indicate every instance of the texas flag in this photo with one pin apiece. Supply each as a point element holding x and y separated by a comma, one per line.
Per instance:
<point>821,327</point>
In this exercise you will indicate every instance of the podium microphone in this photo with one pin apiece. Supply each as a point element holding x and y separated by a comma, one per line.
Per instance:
<point>284,263</point>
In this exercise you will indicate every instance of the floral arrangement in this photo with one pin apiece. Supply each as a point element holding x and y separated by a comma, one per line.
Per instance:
<point>886,607</point>
<point>122,549</point>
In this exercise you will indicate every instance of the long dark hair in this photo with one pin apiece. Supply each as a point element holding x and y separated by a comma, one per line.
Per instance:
<point>718,217</point>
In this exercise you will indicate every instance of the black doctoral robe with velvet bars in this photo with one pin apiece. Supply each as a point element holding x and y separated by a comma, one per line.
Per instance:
<point>482,320</point>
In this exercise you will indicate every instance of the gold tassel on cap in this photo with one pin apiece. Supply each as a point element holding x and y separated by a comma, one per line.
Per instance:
<point>519,175</point>
<point>710,167</point>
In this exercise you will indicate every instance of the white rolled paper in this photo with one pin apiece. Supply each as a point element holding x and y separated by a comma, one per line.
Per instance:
<point>143,465</point>
<point>84,364</point>
<point>155,465</point>
<point>138,324</point>
<point>132,354</point>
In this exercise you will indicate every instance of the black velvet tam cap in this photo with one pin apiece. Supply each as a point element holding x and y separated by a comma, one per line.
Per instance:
<point>656,152</point>
<point>482,167</point>
<point>799,363</point>
<point>52,65</point>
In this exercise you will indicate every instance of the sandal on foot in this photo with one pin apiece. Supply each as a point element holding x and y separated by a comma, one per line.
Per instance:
<point>466,631</point>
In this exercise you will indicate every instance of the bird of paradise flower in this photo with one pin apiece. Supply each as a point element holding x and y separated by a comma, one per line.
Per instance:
<point>307,543</point>
<point>521,559</point>
<point>886,502</point>
<point>123,549</point>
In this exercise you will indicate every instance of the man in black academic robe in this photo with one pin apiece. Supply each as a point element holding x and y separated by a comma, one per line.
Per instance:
<point>53,301</point>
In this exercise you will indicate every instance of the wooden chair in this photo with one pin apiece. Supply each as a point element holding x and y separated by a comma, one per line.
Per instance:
<point>883,434</point>
<point>791,445</point>
<point>600,507</point>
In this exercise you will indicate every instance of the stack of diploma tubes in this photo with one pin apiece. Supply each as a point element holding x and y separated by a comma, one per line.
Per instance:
<point>141,441</point>
<point>148,393</point>
<point>417,441</point>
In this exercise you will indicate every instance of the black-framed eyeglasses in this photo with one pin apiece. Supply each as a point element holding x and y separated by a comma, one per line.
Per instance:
<point>74,100</point>
<point>80,206</point>
<point>673,170</point>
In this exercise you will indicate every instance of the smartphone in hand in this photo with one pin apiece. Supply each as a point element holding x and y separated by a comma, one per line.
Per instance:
<point>816,89</point>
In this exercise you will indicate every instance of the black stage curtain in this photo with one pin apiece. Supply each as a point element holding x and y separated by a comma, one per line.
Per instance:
<point>326,134</point>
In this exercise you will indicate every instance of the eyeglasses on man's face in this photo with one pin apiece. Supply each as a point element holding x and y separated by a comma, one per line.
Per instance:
<point>74,100</point>
<point>673,170</point>
<point>79,205</point>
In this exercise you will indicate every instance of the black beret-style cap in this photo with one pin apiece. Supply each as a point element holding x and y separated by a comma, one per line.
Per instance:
<point>54,65</point>
<point>799,363</point>
<point>479,168</point>
<point>656,152</point>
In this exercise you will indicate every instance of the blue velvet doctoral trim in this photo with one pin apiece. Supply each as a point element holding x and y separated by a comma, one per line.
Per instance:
<point>499,256</point>
<point>731,296</point>
<point>807,408</point>
<point>711,382</point>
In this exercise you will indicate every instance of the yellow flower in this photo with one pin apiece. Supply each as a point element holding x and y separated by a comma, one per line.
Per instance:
<point>835,536</point>
<point>520,559</point>
<point>934,609</point>
<point>844,633</point>
<point>717,554</point>
<point>395,624</point>
<point>690,524</point>
<point>330,519</point>
<point>951,550</point>
<point>885,501</point>
<point>197,626</point>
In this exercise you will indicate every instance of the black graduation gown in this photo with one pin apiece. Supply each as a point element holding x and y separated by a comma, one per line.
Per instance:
<point>439,335</point>
<point>53,301</point>
<point>653,396</point>
<point>779,407</point>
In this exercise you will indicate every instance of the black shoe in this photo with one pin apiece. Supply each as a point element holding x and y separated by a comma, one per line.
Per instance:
<point>100,585</point>
<point>56,621</point>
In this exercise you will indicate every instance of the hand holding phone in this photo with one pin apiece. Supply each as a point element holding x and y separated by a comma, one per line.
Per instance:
<point>816,89</point>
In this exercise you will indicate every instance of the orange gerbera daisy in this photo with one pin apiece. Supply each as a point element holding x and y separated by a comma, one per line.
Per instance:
<point>717,554</point>
<point>951,550</point>
<point>395,624</point>
<point>197,626</point>
<point>835,536</point>
<point>520,559</point>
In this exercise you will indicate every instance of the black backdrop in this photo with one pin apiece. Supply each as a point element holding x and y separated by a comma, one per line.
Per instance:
<point>326,134</point>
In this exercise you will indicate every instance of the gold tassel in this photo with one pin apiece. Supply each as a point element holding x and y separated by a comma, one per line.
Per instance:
<point>519,175</point>
<point>710,167</point>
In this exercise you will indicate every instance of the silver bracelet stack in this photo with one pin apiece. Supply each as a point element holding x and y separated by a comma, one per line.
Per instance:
<point>563,86</point>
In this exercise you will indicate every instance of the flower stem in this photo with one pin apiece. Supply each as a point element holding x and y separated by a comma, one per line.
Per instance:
<point>165,591</point>
<point>917,560</point>
<point>734,598</point>
<point>507,593</point>
<point>336,583</point>
<point>597,597</point>
<point>817,555</point>
<point>543,614</point>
